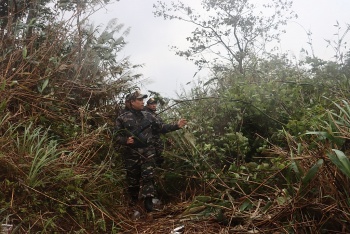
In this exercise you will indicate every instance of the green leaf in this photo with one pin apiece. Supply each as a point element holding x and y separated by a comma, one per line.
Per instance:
<point>281,200</point>
<point>203,198</point>
<point>294,166</point>
<point>312,172</point>
<point>343,111</point>
<point>44,84</point>
<point>341,161</point>
<point>3,105</point>
<point>299,149</point>
<point>245,205</point>
<point>267,206</point>
<point>322,135</point>
<point>3,85</point>
<point>24,52</point>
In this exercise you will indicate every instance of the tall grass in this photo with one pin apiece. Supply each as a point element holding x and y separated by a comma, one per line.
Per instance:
<point>45,184</point>
<point>301,188</point>
<point>58,168</point>
<point>40,150</point>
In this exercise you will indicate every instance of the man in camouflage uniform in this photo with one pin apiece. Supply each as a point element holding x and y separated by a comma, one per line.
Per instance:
<point>135,129</point>
<point>151,107</point>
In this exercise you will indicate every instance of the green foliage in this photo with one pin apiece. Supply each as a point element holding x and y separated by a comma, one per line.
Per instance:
<point>48,178</point>
<point>283,118</point>
<point>59,83</point>
<point>206,206</point>
<point>244,150</point>
<point>341,161</point>
<point>42,151</point>
<point>257,108</point>
<point>309,120</point>
<point>312,172</point>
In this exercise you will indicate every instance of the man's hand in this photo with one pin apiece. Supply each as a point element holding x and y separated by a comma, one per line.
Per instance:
<point>181,123</point>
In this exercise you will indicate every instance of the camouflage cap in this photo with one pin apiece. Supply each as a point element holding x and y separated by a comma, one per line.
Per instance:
<point>152,101</point>
<point>137,94</point>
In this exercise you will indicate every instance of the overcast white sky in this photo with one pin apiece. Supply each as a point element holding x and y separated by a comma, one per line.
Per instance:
<point>150,38</point>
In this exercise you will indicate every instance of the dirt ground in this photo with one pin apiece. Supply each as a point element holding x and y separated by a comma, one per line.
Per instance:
<point>172,219</point>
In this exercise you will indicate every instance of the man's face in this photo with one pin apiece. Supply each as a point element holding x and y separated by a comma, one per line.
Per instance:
<point>137,104</point>
<point>152,106</point>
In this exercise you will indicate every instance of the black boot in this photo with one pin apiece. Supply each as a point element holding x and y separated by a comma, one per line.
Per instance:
<point>148,204</point>
<point>134,194</point>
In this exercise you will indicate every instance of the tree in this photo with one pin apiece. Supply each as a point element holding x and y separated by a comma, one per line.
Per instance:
<point>227,32</point>
<point>59,80</point>
<point>72,65</point>
<point>30,15</point>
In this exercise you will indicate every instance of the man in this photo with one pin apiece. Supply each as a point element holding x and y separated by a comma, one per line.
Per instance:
<point>135,129</point>
<point>151,107</point>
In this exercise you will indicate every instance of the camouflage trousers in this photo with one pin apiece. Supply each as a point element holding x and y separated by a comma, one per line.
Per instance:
<point>139,164</point>
<point>159,148</point>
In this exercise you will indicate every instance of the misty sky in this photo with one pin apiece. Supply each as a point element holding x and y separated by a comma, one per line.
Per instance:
<point>150,38</point>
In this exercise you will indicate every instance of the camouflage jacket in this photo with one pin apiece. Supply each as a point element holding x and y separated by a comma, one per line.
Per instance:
<point>143,126</point>
<point>153,113</point>
<point>124,110</point>
<point>175,127</point>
